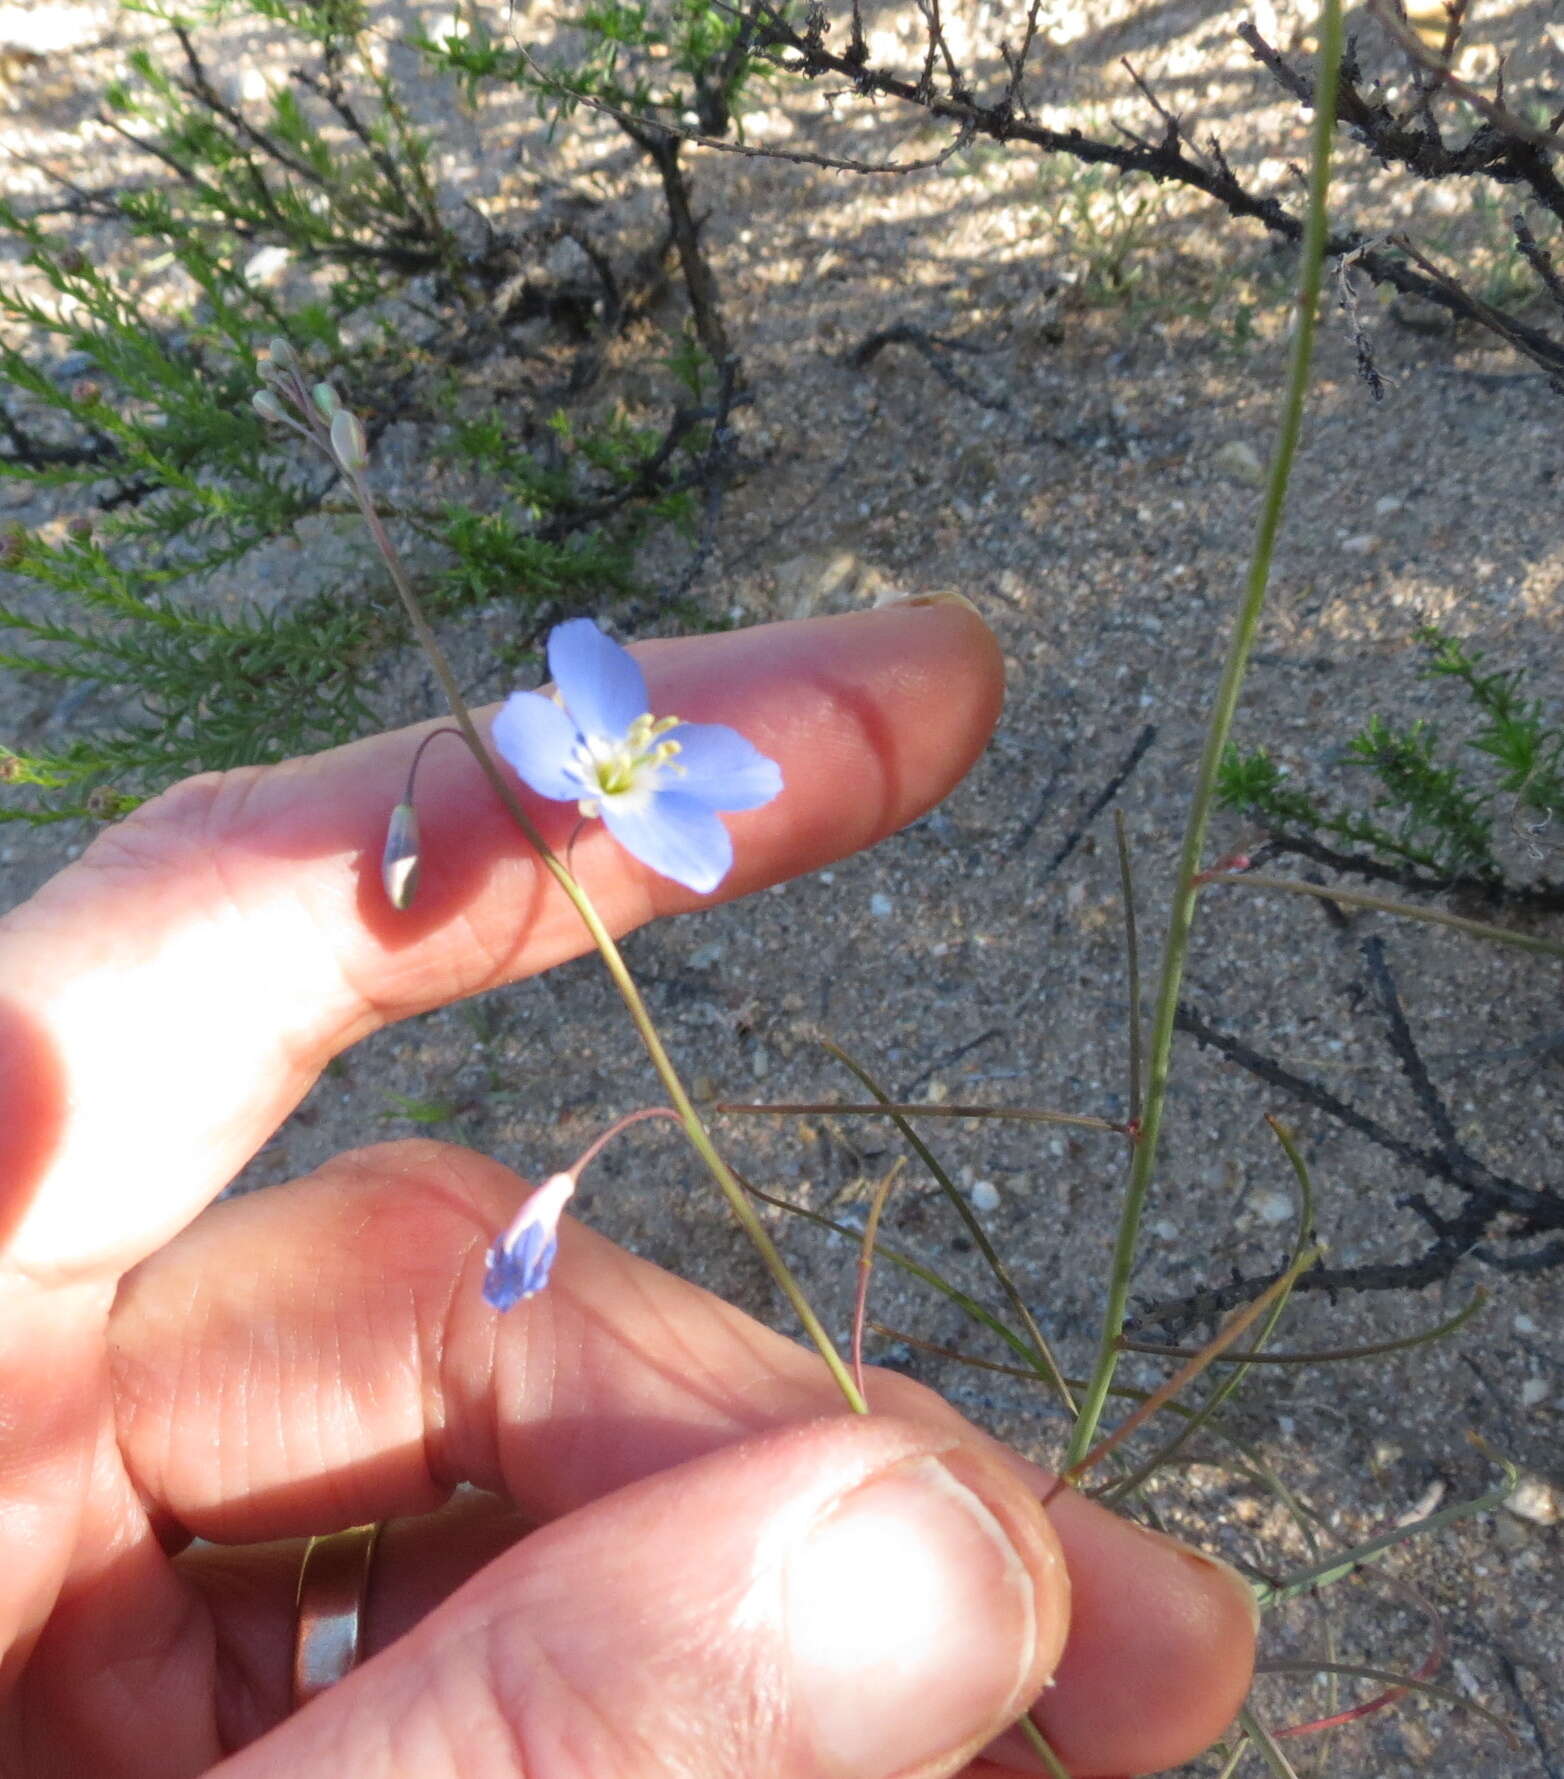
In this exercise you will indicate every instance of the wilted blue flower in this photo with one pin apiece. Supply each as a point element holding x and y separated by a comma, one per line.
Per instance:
<point>656,782</point>
<point>523,1253</point>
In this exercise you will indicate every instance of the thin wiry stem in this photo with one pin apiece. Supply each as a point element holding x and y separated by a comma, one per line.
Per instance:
<point>1240,645</point>
<point>1132,962</point>
<point>699,1138</point>
<point>1050,1365</point>
<point>891,1109</point>
<point>1351,898</point>
<point>866,1268</point>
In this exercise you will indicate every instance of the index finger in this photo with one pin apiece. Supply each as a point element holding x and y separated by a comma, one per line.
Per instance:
<point>174,994</point>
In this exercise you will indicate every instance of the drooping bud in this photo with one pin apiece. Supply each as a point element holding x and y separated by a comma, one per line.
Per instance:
<point>267,405</point>
<point>399,862</point>
<point>348,443</point>
<point>522,1255</point>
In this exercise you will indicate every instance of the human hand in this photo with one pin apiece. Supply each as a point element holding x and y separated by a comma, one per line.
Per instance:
<point>685,1560</point>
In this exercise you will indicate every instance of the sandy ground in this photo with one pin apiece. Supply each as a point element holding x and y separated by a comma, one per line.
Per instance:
<point>973,957</point>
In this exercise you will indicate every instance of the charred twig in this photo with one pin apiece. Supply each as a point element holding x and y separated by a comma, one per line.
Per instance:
<point>649,481</point>
<point>1117,780</point>
<point>1405,1050</point>
<point>1540,897</point>
<point>1171,161</point>
<point>699,284</point>
<point>1539,259</point>
<point>1014,102</point>
<point>1436,63</point>
<point>932,348</point>
<point>1541,1209</point>
<point>715,475</point>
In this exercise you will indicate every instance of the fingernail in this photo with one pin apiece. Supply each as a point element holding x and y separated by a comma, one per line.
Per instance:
<point>1235,1580</point>
<point>1184,1558</point>
<point>948,597</point>
<point>913,1622</point>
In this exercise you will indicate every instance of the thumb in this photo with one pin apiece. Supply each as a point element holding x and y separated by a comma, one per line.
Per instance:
<point>849,1599</point>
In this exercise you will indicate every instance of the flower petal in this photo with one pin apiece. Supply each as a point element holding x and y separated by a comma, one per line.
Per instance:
<point>519,1270</point>
<point>602,687</point>
<point>535,736</point>
<point>521,1256</point>
<point>720,769</point>
<point>677,836</point>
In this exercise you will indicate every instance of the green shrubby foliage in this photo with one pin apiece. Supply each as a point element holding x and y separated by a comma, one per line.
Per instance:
<point>146,419</point>
<point>1429,812</point>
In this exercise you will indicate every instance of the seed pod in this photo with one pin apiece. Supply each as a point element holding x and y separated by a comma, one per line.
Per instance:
<point>348,443</point>
<point>399,861</point>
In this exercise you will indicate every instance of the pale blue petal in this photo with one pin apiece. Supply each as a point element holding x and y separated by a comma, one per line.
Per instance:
<point>721,770</point>
<point>601,685</point>
<point>535,736</point>
<point>520,1269</point>
<point>677,836</point>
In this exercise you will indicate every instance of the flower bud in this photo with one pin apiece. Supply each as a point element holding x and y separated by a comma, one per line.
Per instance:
<point>281,355</point>
<point>399,861</point>
<point>326,400</point>
<point>267,405</point>
<point>348,442</point>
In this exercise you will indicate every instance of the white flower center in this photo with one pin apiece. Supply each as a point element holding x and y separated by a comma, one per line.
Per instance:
<point>626,766</point>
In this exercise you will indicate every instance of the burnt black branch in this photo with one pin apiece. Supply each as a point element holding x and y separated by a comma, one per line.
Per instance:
<point>1489,151</point>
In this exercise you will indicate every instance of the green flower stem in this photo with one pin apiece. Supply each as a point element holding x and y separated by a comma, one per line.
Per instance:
<point>700,1139</point>
<point>1181,919</point>
<point>1040,1747</point>
<point>1350,898</point>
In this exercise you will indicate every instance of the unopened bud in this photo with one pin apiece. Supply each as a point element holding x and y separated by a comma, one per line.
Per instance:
<point>326,400</point>
<point>109,804</point>
<point>399,861</point>
<point>281,355</point>
<point>268,406</point>
<point>348,443</point>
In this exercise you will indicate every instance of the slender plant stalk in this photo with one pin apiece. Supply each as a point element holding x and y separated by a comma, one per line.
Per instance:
<point>1350,898</point>
<point>700,1139</point>
<point>1186,1374</point>
<point>1181,919</point>
<point>1333,1568</point>
<point>1399,1684</point>
<point>1040,1747</point>
<point>891,1109</point>
<point>866,1268</point>
<point>1132,961</point>
<point>1122,1491</point>
<point>1324,1355</point>
<point>1260,1738</point>
<point>975,1229</point>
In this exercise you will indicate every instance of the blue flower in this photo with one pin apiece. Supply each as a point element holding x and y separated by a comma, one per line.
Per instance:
<point>657,782</point>
<point>523,1253</point>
